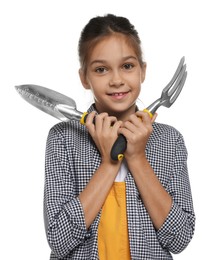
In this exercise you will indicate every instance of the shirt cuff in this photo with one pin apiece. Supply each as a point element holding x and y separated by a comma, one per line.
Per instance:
<point>76,214</point>
<point>172,226</point>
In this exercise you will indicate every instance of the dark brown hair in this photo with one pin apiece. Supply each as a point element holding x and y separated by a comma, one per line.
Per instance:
<point>102,26</point>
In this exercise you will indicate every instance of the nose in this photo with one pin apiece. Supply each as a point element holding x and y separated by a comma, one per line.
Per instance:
<point>116,80</point>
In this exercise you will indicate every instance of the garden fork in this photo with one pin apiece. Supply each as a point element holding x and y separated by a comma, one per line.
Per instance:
<point>168,97</point>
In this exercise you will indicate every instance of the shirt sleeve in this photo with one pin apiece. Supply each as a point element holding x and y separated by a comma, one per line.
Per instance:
<point>63,214</point>
<point>178,229</point>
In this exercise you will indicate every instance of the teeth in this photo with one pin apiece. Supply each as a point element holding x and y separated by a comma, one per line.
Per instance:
<point>117,94</point>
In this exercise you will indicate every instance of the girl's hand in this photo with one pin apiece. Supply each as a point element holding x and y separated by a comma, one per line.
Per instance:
<point>137,130</point>
<point>104,132</point>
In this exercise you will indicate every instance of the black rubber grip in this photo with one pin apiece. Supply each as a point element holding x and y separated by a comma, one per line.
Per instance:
<point>118,148</point>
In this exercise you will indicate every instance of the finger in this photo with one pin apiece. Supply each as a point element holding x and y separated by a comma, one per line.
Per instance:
<point>109,121</point>
<point>116,126</point>
<point>154,117</point>
<point>134,119</point>
<point>99,121</point>
<point>130,126</point>
<point>90,118</point>
<point>89,122</point>
<point>145,117</point>
<point>125,132</point>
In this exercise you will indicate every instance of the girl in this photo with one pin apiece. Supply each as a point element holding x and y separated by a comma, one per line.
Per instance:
<point>96,208</point>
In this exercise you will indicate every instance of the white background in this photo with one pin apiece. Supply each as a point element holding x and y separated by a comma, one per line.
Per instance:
<point>38,45</point>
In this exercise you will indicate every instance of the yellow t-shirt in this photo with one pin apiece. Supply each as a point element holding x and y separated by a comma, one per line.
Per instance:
<point>113,239</point>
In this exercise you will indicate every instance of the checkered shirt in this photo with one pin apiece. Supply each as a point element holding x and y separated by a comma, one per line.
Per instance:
<point>71,160</point>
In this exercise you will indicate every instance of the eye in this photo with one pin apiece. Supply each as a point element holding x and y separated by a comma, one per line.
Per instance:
<point>100,70</point>
<point>128,66</point>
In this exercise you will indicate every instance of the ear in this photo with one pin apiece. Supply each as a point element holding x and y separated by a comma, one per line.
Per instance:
<point>83,79</point>
<point>143,72</point>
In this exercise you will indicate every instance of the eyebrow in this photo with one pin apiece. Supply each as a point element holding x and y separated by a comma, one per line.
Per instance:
<point>104,61</point>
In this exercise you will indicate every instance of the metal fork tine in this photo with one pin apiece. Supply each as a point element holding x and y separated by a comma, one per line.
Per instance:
<point>174,87</point>
<point>180,86</point>
<point>175,75</point>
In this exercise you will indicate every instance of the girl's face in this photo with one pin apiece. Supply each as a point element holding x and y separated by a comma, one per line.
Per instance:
<point>114,75</point>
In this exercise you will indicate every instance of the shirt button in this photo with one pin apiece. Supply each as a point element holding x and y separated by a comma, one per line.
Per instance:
<point>88,235</point>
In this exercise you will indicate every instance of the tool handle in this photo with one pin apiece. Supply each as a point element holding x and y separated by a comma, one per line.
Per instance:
<point>118,148</point>
<point>120,145</point>
<point>84,118</point>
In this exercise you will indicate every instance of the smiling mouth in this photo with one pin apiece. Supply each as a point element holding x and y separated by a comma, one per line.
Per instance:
<point>118,94</point>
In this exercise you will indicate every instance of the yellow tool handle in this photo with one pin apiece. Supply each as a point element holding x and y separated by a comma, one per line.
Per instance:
<point>147,111</point>
<point>84,118</point>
